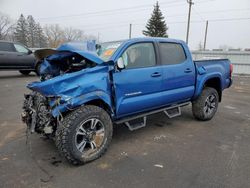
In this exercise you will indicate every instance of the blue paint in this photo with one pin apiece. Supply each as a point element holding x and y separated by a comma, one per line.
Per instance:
<point>129,91</point>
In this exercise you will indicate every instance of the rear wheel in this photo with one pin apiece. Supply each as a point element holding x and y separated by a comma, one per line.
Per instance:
<point>25,72</point>
<point>84,134</point>
<point>205,106</point>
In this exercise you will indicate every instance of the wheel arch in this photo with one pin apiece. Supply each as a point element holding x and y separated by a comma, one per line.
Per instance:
<point>100,103</point>
<point>215,83</point>
<point>101,100</point>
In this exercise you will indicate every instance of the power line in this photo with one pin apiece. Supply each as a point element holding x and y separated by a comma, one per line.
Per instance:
<point>128,21</point>
<point>228,19</point>
<point>169,16</point>
<point>180,22</point>
<point>171,3</point>
<point>212,20</point>
<point>225,10</point>
<point>198,14</point>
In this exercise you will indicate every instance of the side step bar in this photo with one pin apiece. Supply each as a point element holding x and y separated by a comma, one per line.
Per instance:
<point>171,111</point>
<point>135,126</point>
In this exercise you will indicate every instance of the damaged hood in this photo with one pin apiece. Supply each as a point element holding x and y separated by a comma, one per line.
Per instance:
<point>85,49</point>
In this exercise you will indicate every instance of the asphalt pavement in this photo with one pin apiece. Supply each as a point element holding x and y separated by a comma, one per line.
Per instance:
<point>178,152</point>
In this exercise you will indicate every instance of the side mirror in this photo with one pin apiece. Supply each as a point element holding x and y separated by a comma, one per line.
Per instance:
<point>29,52</point>
<point>120,64</point>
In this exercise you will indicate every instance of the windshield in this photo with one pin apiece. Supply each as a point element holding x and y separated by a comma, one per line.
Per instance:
<point>107,49</point>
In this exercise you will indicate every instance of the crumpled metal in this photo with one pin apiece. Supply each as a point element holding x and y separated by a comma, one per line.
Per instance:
<point>70,90</point>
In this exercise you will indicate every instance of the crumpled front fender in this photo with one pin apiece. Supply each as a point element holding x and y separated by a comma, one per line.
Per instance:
<point>81,100</point>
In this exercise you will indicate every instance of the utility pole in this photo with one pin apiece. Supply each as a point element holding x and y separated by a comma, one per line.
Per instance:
<point>130,30</point>
<point>98,37</point>
<point>205,39</point>
<point>189,14</point>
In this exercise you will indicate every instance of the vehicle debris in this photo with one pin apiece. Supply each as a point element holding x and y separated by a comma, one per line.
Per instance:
<point>158,165</point>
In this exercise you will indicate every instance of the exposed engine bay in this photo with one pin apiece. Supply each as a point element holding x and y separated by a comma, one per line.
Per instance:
<point>62,63</point>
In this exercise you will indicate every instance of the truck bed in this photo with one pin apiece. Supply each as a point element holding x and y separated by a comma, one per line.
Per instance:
<point>219,68</point>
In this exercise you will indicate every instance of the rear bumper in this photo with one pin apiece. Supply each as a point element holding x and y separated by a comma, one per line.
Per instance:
<point>229,82</point>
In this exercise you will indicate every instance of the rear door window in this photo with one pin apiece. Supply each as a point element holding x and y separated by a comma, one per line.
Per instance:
<point>8,47</point>
<point>171,53</point>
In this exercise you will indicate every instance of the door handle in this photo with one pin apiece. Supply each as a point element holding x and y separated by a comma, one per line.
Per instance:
<point>156,74</point>
<point>188,70</point>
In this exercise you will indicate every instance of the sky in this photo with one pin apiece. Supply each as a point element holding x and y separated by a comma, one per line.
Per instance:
<point>228,20</point>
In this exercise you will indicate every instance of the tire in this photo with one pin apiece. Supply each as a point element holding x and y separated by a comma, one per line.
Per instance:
<point>206,105</point>
<point>24,72</point>
<point>37,67</point>
<point>76,129</point>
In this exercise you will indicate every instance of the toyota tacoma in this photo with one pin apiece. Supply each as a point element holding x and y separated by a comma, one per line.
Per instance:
<point>86,88</point>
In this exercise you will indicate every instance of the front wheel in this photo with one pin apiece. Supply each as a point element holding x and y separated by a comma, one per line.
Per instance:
<point>205,106</point>
<point>84,134</point>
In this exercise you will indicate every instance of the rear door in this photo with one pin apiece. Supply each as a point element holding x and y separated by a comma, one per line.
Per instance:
<point>178,80</point>
<point>138,86</point>
<point>7,55</point>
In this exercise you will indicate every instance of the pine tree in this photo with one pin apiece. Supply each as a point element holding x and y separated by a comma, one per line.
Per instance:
<point>31,31</point>
<point>156,26</point>
<point>21,30</point>
<point>41,40</point>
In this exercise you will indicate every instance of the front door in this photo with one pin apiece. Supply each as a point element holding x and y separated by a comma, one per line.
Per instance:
<point>138,86</point>
<point>23,58</point>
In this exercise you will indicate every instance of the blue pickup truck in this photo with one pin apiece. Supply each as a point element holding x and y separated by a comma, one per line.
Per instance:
<point>86,88</point>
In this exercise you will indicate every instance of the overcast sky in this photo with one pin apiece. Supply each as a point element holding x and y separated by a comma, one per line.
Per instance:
<point>229,20</point>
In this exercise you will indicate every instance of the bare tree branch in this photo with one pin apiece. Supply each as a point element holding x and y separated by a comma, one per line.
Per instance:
<point>54,34</point>
<point>6,26</point>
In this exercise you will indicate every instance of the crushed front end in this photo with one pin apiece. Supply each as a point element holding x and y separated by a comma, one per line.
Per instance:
<point>37,114</point>
<point>69,77</point>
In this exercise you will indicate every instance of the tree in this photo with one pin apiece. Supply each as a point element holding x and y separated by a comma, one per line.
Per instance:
<point>41,40</point>
<point>71,34</point>
<point>54,34</point>
<point>31,31</point>
<point>90,37</point>
<point>6,26</point>
<point>57,35</point>
<point>156,26</point>
<point>21,30</point>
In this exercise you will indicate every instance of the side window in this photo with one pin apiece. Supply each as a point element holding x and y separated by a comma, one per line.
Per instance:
<point>171,53</point>
<point>5,46</point>
<point>139,55</point>
<point>21,49</point>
